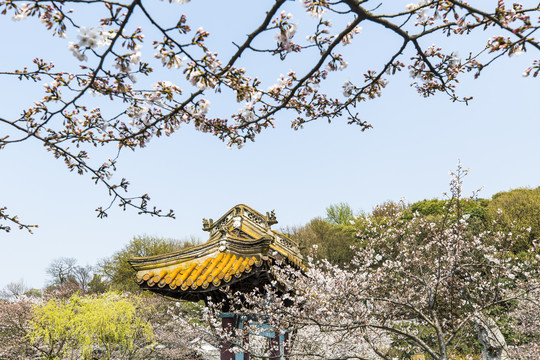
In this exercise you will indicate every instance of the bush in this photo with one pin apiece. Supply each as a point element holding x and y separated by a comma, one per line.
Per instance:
<point>324,240</point>
<point>109,324</point>
<point>521,211</point>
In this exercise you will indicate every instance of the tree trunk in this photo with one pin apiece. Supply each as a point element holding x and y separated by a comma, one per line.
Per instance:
<point>491,338</point>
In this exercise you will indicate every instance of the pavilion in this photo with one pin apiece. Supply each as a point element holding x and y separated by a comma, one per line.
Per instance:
<point>239,254</point>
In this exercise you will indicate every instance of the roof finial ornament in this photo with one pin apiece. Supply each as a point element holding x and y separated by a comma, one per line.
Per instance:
<point>271,217</point>
<point>207,224</point>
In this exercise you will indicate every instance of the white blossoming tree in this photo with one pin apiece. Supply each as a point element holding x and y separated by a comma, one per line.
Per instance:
<point>69,120</point>
<point>526,321</point>
<point>417,285</point>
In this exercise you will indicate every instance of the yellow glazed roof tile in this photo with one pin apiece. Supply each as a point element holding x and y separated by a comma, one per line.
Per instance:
<point>215,270</point>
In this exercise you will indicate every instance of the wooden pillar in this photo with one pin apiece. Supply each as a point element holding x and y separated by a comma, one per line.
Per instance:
<point>246,343</point>
<point>227,326</point>
<point>241,321</point>
<point>286,346</point>
<point>275,348</point>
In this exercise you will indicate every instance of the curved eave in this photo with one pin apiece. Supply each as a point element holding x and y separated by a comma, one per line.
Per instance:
<point>291,259</point>
<point>233,244</point>
<point>213,272</point>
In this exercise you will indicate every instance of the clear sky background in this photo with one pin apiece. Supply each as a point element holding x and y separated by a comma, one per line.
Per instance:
<point>415,142</point>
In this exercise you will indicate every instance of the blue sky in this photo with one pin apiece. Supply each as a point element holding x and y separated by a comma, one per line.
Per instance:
<point>408,153</point>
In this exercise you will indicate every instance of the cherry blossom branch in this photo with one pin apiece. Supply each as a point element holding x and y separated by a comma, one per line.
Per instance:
<point>496,21</point>
<point>13,219</point>
<point>98,176</point>
<point>162,109</point>
<point>413,337</point>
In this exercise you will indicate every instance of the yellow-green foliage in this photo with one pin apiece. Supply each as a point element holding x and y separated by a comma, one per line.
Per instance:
<point>113,323</point>
<point>333,242</point>
<point>53,328</point>
<point>339,214</point>
<point>520,210</point>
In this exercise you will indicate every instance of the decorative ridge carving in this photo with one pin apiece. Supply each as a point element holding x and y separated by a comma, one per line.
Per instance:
<point>271,218</point>
<point>236,214</point>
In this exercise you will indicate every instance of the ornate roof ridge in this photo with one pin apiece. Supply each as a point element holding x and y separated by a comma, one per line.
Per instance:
<point>264,221</point>
<point>286,236</point>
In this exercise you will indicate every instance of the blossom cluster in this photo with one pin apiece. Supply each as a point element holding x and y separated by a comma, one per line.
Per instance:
<point>287,30</point>
<point>89,38</point>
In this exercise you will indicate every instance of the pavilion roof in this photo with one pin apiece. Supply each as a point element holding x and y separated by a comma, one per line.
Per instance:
<point>240,251</point>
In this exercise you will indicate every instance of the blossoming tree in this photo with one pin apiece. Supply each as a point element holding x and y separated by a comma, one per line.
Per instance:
<point>105,326</point>
<point>106,41</point>
<point>422,285</point>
